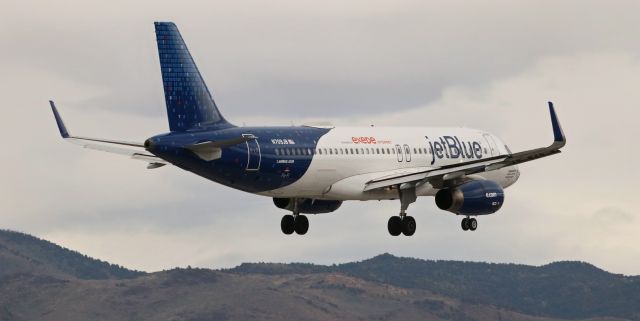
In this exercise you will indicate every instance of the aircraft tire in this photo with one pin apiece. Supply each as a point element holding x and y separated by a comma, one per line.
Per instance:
<point>473,224</point>
<point>408,226</point>
<point>301,225</point>
<point>287,224</point>
<point>394,225</point>
<point>465,224</point>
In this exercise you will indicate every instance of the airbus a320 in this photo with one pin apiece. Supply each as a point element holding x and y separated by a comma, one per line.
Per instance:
<point>314,168</point>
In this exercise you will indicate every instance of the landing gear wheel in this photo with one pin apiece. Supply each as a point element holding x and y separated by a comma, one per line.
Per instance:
<point>465,224</point>
<point>287,224</point>
<point>301,225</point>
<point>394,225</point>
<point>473,224</point>
<point>408,225</point>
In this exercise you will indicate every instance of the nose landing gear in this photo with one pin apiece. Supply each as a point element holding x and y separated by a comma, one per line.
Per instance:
<point>469,224</point>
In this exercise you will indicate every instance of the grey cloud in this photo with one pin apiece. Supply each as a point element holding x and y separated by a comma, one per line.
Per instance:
<point>613,215</point>
<point>317,60</point>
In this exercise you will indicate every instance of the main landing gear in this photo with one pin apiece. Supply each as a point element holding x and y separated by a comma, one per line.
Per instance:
<point>403,223</point>
<point>294,223</point>
<point>469,224</point>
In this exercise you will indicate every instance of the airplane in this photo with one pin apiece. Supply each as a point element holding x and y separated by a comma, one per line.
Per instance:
<point>315,167</point>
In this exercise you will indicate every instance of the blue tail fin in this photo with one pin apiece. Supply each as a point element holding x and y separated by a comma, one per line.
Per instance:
<point>189,103</point>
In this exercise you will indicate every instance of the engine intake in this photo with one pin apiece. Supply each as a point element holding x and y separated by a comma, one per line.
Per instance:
<point>471,198</point>
<point>308,205</point>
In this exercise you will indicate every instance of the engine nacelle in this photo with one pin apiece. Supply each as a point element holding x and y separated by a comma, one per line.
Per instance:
<point>308,205</point>
<point>471,198</point>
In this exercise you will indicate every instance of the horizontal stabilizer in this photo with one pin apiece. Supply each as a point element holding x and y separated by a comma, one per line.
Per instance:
<point>131,149</point>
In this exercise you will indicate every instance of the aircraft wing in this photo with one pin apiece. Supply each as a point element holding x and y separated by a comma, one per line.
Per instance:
<point>131,149</point>
<point>458,170</point>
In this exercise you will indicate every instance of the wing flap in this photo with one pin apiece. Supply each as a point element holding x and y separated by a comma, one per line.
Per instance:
<point>454,172</point>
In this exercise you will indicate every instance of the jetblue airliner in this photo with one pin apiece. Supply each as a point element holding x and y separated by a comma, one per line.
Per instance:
<point>313,168</point>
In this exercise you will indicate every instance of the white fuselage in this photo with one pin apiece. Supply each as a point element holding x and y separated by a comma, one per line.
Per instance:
<point>346,158</point>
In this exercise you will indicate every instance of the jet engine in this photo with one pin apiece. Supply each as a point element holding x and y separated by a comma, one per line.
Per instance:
<point>471,198</point>
<point>308,205</point>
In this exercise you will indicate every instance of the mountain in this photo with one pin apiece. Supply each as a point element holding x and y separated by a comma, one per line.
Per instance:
<point>23,253</point>
<point>569,290</point>
<point>42,281</point>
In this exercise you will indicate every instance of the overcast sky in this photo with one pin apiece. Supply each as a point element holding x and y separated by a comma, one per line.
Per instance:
<point>490,65</point>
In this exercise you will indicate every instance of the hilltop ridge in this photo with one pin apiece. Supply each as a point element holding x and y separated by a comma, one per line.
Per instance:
<point>43,281</point>
<point>24,253</point>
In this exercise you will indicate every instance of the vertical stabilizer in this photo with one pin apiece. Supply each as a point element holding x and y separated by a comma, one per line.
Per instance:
<point>189,102</point>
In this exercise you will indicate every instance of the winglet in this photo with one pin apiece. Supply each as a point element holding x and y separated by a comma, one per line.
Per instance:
<point>61,127</point>
<point>558,134</point>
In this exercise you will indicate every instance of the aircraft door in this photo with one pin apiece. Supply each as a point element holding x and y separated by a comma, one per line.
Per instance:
<point>399,153</point>
<point>253,154</point>
<point>407,152</point>
<point>493,148</point>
